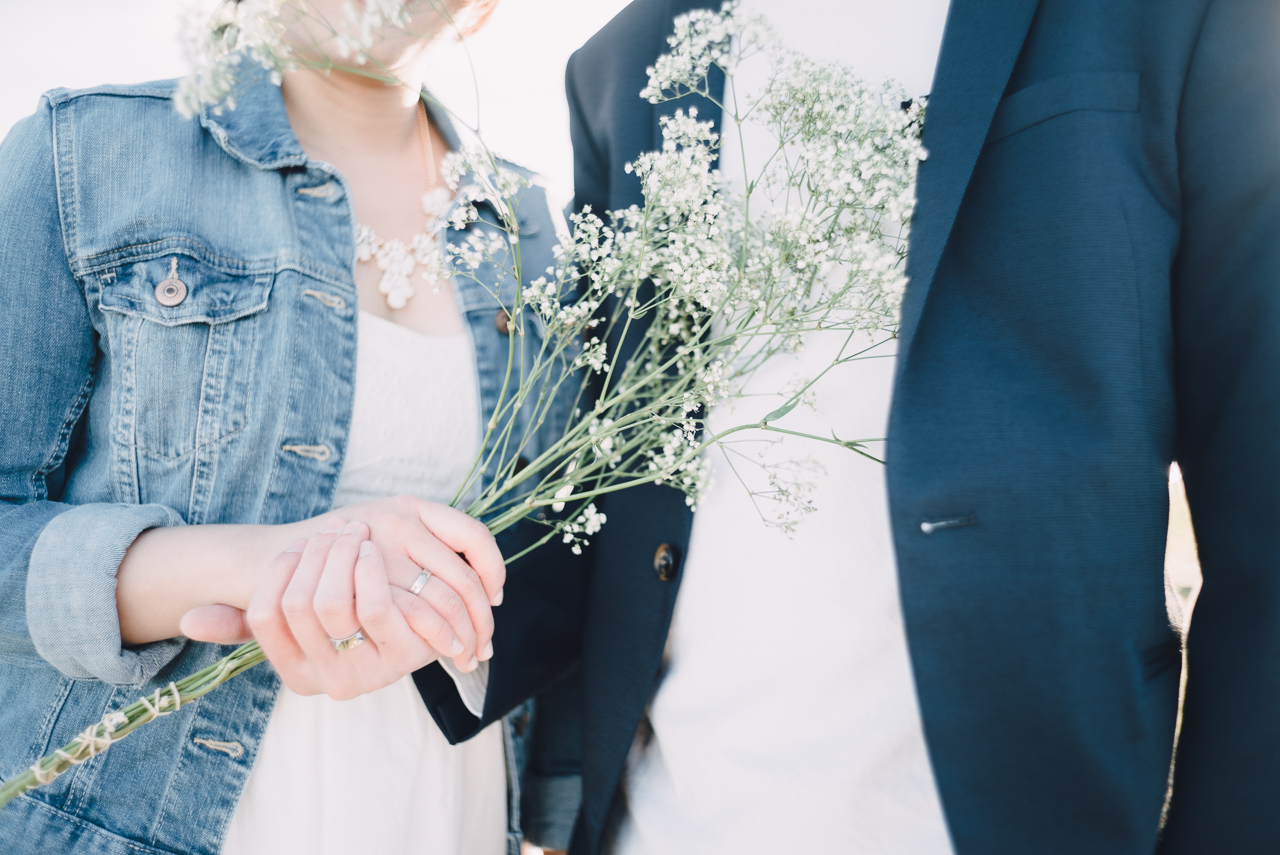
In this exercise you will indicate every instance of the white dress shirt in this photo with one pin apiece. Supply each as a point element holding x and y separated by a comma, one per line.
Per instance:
<point>787,718</point>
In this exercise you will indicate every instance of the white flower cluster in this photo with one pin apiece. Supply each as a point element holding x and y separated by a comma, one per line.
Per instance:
<point>216,40</point>
<point>587,523</point>
<point>673,464</point>
<point>703,39</point>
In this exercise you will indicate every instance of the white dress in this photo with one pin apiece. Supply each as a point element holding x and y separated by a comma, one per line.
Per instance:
<point>375,774</point>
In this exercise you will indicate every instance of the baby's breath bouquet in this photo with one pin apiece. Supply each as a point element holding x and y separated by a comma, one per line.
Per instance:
<point>652,315</point>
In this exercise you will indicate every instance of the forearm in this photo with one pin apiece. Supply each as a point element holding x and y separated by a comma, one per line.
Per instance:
<point>167,572</point>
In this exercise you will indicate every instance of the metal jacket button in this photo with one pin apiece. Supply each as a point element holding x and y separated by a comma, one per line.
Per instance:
<point>664,562</point>
<point>502,322</point>
<point>171,291</point>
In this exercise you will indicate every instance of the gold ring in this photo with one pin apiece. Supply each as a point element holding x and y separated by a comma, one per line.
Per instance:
<point>355,639</point>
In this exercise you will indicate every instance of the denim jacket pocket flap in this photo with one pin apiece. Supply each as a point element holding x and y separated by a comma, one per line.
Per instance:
<point>177,289</point>
<point>1104,91</point>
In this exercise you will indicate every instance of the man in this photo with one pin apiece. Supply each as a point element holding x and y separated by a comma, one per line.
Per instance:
<point>1093,265</point>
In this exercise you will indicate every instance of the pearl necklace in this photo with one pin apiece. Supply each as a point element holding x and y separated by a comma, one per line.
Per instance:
<point>397,261</point>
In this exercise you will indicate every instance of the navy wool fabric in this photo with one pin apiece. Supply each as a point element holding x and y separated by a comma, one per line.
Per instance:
<point>1093,294</point>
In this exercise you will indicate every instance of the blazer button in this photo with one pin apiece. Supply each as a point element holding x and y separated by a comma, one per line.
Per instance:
<point>502,322</point>
<point>664,562</point>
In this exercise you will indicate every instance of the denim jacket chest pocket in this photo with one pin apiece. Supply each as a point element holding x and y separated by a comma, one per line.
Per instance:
<point>183,333</point>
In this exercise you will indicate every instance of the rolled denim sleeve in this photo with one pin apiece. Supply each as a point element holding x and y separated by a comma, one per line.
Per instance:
<point>71,593</point>
<point>57,561</point>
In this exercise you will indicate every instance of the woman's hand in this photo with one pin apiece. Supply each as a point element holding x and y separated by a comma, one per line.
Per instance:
<point>414,535</point>
<point>291,618</point>
<point>200,579</point>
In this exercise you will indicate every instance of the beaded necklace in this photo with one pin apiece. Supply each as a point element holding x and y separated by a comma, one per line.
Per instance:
<point>397,261</point>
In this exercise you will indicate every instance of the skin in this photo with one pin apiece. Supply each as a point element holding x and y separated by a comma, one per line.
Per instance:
<point>294,586</point>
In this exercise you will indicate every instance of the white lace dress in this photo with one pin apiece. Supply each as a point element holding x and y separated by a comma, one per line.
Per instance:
<point>374,774</point>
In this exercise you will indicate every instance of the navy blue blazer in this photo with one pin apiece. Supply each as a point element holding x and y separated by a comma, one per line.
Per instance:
<point>1095,292</point>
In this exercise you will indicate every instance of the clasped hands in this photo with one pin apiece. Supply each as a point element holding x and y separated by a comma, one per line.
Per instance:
<point>353,572</point>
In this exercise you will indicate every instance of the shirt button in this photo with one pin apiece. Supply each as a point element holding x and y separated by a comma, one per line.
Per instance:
<point>171,292</point>
<point>502,322</point>
<point>664,562</point>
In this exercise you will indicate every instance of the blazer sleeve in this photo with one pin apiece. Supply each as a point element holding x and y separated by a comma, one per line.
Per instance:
<point>57,561</point>
<point>537,635</point>
<point>1226,323</point>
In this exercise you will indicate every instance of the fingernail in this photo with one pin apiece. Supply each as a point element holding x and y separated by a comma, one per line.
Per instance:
<point>487,653</point>
<point>366,548</point>
<point>331,526</point>
<point>457,647</point>
<point>353,527</point>
<point>497,598</point>
<point>298,545</point>
<point>472,665</point>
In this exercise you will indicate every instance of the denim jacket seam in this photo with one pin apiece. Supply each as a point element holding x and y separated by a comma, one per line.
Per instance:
<point>176,774</point>
<point>124,456</point>
<point>135,253</point>
<point>92,826</point>
<point>139,252</point>
<point>61,131</point>
<point>150,454</point>
<point>63,95</point>
<point>45,734</point>
<point>40,477</point>
<point>81,785</point>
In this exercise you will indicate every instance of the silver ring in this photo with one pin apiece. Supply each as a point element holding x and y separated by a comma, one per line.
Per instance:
<point>419,583</point>
<point>355,639</point>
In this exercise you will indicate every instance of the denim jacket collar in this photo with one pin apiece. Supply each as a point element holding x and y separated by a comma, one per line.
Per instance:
<point>257,130</point>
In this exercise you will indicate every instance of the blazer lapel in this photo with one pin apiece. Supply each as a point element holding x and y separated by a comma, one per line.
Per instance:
<point>980,46</point>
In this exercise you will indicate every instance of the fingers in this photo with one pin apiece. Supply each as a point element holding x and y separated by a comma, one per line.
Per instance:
<point>298,601</point>
<point>455,592</point>
<point>427,624</point>
<point>397,644</point>
<point>335,597</point>
<point>218,624</point>
<point>470,537</point>
<point>267,621</point>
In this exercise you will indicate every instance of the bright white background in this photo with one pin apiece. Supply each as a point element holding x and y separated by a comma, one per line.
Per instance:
<point>519,60</point>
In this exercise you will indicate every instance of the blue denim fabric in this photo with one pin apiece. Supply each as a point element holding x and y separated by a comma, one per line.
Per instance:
<point>120,414</point>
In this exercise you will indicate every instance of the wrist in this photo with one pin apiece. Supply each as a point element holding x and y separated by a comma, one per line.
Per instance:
<point>261,544</point>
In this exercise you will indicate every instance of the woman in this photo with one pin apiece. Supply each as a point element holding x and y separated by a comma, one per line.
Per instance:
<point>196,370</point>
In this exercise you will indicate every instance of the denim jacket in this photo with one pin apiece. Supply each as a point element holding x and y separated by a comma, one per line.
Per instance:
<point>120,411</point>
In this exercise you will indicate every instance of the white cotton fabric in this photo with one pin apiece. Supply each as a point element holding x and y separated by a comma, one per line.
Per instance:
<point>375,774</point>
<point>787,719</point>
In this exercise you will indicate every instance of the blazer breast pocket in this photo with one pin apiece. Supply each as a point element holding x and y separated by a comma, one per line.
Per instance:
<point>1099,91</point>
